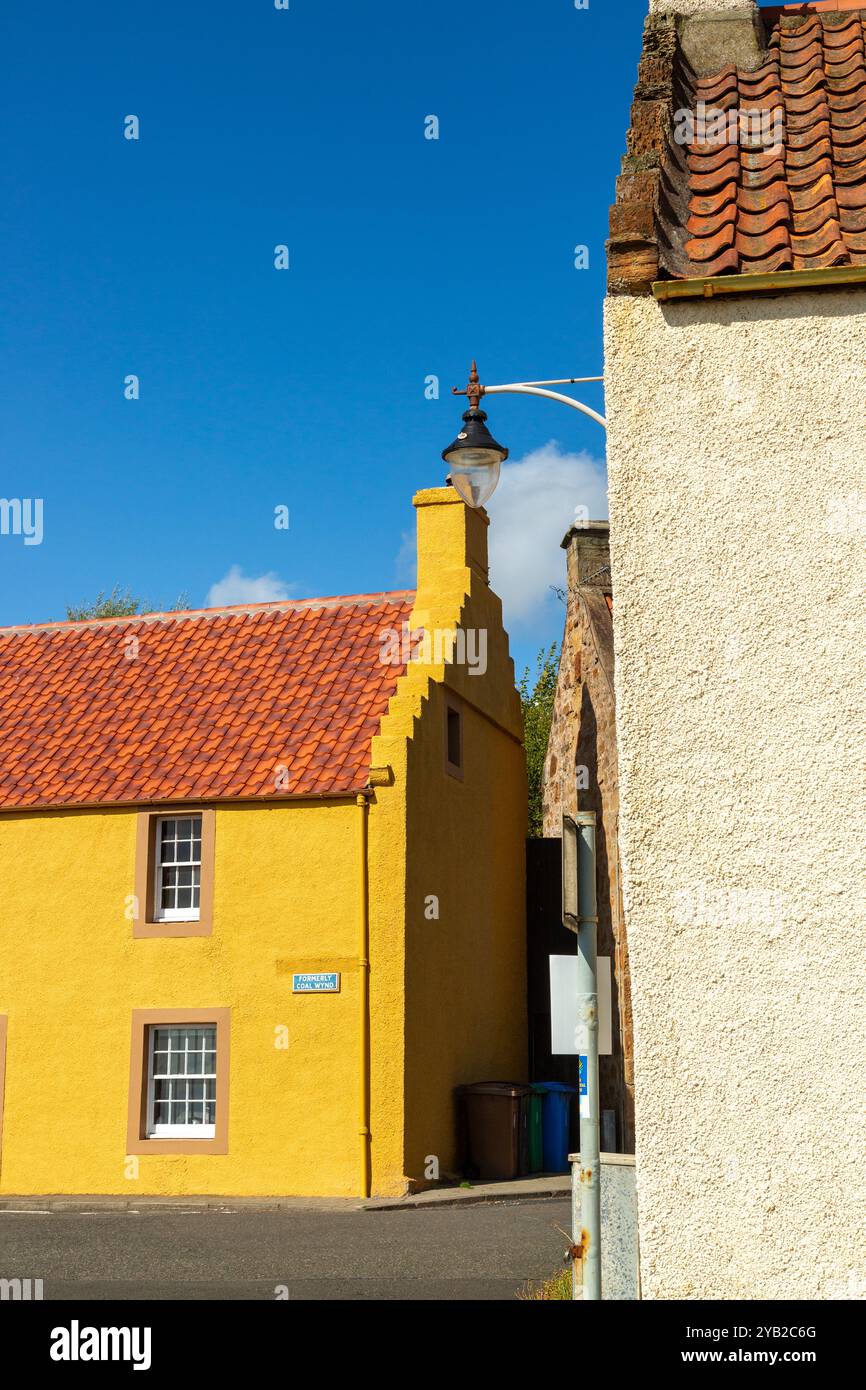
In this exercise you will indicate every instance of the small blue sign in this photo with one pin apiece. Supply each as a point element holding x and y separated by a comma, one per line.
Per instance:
<point>584,1091</point>
<point>327,983</point>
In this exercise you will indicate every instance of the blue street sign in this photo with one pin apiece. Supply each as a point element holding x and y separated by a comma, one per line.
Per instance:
<point>583,1098</point>
<point>326,983</point>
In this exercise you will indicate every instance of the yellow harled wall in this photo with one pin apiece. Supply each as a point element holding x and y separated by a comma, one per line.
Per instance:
<point>71,974</point>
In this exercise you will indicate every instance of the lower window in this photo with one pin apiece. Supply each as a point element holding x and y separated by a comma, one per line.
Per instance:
<point>179,1081</point>
<point>182,1080</point>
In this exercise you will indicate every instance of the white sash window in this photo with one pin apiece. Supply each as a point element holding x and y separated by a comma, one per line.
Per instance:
<point>178,869</point>
<point>181,1095</point>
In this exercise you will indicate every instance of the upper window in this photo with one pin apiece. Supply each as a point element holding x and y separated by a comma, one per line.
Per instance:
<point>177,892</point>
<point>182,1078</point>
<point>174,872</point>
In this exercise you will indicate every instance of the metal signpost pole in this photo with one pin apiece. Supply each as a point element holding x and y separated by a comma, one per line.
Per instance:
<point>587,1038</point>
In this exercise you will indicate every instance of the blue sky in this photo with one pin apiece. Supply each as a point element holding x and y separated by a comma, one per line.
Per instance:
<point>305,387</point>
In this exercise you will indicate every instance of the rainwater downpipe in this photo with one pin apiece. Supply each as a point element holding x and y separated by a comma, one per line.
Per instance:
<point>587,1039</point>
<point>362,803</point>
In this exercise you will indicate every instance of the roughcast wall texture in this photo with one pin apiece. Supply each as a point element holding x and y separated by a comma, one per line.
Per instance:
<point>737,461</point>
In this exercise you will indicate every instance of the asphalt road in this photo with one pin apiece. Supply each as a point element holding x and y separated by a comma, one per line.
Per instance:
<point>447,1253</point>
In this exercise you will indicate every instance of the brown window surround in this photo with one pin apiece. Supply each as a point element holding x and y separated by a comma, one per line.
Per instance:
<point>3,1026</point>
<point>142,1021</point>
<point>145,874</point>
<point>453,737</point>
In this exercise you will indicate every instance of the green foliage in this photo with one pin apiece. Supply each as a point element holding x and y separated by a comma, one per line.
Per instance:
<point>537,702</point>
<point>113,605</point>
<point>555,1289</point>
<point>118,604</point>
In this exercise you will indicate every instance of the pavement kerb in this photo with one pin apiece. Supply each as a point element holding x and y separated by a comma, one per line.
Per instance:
<point>528,1189</point>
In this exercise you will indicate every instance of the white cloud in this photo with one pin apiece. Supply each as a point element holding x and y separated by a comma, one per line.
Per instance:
<point>237,587</point>
<point>530,512</point>
<point>406,563</point>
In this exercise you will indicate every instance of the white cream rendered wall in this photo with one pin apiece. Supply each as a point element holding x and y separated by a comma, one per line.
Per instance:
<point>737,467</point>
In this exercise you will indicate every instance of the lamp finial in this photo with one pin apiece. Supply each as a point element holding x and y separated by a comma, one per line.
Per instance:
<point>473,390</point>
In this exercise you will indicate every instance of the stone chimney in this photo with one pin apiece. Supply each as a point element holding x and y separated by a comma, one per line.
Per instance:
<point>452,546</point>
<point>587,550</point>
<point>714,33</point>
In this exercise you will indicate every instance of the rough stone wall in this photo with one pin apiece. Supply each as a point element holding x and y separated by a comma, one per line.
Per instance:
<point>700,6</point>
<point>633,251</point>
<point>737,473</point>
<point>588,559</point>
<point>583,737</point>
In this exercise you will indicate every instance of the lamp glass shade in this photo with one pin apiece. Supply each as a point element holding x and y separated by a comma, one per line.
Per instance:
<point>475,459</point>
<point>475,482</point>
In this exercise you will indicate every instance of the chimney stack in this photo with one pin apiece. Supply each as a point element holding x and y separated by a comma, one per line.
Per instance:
<point>714,33</point>
<point>587,550</point>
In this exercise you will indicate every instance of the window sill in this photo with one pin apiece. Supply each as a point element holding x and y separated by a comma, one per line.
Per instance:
<point>194,1135</point>
<point>216,1145</point>
<point>193,927</point>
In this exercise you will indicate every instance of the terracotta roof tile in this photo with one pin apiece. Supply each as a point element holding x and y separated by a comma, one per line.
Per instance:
<point>213,703</point>
<point>815,77</point>
<point>784,193</point>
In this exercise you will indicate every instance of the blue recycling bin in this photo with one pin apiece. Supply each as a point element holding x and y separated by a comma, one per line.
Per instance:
<point>555,1107</point>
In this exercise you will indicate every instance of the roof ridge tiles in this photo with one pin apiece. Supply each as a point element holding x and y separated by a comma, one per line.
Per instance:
<point>241,610</point>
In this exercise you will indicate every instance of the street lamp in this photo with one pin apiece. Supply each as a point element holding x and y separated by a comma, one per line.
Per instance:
<point>475,458</point>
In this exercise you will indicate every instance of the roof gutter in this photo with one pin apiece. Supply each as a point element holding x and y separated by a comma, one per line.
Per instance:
<point>715,286</point>
<point>145,804</point>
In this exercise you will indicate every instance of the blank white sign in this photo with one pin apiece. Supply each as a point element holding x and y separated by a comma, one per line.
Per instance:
<point>564,1027</point>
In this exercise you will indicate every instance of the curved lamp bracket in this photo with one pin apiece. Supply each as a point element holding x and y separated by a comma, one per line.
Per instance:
<point>525,389</point>
<point>474,390</point>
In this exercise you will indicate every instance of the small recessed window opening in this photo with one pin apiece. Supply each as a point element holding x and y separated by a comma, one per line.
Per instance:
<point>454,738</point>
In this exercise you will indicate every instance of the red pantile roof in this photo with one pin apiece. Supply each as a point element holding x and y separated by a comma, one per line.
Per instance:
<point>799,204</point>
<point>204,706</point>
<point>786,192</point>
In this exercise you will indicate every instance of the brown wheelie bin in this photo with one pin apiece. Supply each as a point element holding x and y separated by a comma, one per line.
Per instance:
<point>494,1122</point>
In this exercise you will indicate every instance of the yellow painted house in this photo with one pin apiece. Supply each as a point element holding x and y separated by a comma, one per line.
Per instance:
<point>263,887</point>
